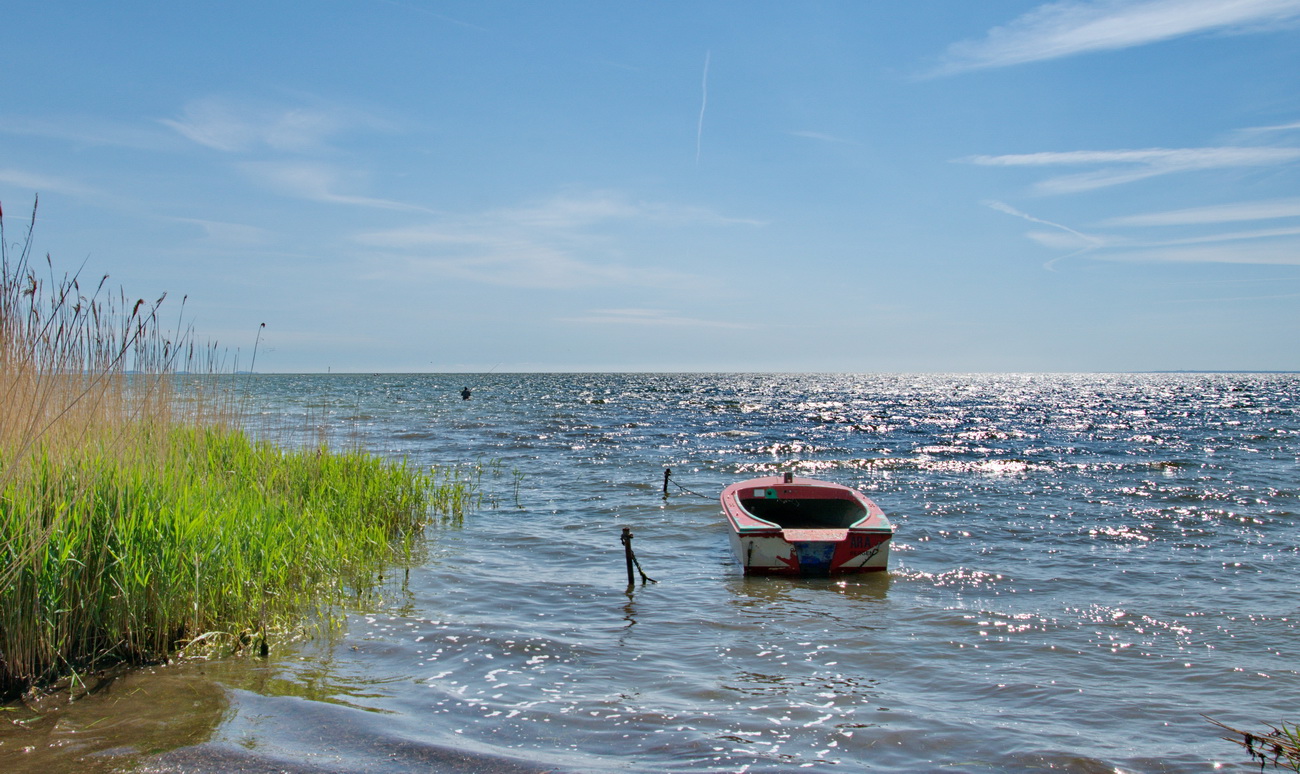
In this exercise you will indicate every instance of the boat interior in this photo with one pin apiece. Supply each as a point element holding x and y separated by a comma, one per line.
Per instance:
<point>806,514</point>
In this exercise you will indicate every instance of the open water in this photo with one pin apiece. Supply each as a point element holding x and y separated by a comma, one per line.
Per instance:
<point>1084,565</point>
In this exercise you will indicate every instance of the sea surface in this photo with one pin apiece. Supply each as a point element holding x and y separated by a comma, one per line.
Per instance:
<point>1085,566</point>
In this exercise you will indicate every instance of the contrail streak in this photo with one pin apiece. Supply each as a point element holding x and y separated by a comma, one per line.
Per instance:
<point>1092,242</point>
<point>704,102</point>
<point>1009,210</point>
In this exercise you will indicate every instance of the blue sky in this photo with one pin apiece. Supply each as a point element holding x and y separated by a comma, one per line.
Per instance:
<point>940,185</point>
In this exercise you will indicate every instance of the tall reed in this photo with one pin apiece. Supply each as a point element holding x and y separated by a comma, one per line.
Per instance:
<point>135,516</point>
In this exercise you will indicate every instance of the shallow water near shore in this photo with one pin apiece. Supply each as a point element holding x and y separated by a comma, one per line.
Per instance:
<point>1083,566</point>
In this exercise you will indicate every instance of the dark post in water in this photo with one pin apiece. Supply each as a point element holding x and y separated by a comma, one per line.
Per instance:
<point>627,554</point>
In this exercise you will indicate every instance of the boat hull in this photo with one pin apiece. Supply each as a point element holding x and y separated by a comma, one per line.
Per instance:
<point>802,526</point>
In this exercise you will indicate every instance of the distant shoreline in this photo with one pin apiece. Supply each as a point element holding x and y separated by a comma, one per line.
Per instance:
<point>791,373</point>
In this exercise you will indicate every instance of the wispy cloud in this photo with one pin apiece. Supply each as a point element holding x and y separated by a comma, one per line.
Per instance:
<point>1127,166</point>
<point>1233,236</point>
<point>89,131</point>
<point>239,126</point>
<point>231,233</point>
<point>525,264</point>
<point>438,16</point>
<point>318,182</point>
<point>588,208</point>
<point>569,241</point>
<point>1292,127</point>
<point>1279,245</point>
<point>514,260</point>
<point>821,137</point>
<point>1070,28</point>
<point>564,214</point>
<point>1281,252</point>
<point>659,318</point>
<point>1223,213</point>
<point>1077,237</point>
<point>1063,237</point>
<point>40,183</point>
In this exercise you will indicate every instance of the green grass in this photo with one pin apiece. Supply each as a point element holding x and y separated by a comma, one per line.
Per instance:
<point>136,519</point>
<point>127,559</point>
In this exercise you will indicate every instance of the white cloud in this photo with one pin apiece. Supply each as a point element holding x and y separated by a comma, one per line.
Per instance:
<point>1258,246</point>
<point>1180,157</point>
<point>1065,240</point>
<point>1222,213</point>
<point>438,16</point>
<point>1268,129</point>
<point>241,126</point>
<point>39,183</point>
<point>1235,236</point>
<point>1128,166</point>
<point>524,264</point>
<point>649,317</point>
<point>557,215</point>
<point>1280,252</point>
<point>318,182</point>
<point>422,236</point>
<point>822,137</point>
<point>567,241</point>
<point>571,212</point>
<point>587,209</point>
<point>233,233</point>
<point>514,260</point>
<point>88,131</point>
<point>1071,237</point>
<point>1071,27</point>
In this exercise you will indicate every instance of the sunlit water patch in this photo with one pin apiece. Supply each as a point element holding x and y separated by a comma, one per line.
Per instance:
<point>1084,565</point>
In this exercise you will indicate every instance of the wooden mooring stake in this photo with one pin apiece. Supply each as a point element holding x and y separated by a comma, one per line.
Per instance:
<point>627,554</point>
<point>631,560</point>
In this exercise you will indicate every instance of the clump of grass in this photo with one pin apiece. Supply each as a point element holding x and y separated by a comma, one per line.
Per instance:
<point>136,518</point>
<point>1280,745</point>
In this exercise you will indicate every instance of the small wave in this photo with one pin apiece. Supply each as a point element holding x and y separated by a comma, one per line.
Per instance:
<point>959,578</point>
<point>729,434</point>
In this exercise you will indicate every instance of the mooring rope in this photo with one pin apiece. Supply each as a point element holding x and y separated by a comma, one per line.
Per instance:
<point>632,560</point>
<point>629,554</point>
<point>644,577</point>
<point>688,491</point>
<point>668,473</point>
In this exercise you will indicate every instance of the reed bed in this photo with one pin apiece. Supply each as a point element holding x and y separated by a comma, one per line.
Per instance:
<point>136,518</point>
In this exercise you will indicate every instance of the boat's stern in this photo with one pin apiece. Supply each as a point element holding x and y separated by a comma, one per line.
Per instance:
<point>765,547</point>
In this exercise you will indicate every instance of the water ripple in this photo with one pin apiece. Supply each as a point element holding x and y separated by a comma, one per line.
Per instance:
<point>1084,563</point>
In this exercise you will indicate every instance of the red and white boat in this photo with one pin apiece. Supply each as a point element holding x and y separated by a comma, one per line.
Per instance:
<point>783,525</point>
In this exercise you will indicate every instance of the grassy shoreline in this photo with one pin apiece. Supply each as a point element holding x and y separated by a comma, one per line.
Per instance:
<point>137,518</point>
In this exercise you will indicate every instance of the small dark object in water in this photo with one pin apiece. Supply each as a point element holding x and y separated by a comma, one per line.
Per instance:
<point>464,394</point>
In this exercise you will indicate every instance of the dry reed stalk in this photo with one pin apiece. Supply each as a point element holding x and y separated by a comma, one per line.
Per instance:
<point>134,516</point>
<point>1279,746</point>
<point>77,370</point>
